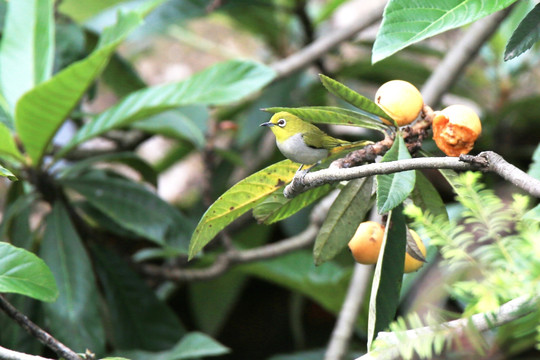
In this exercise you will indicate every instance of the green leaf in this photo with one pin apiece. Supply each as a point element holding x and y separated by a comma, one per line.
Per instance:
<point>407,22</point>
<point>242,197</point>
<point>74,317</point>
<point>217,85</point>
<point>193,345</point>
<point>127,158</point>
<point>22,272</point>
<point>352,97</point>
<point>525,35</point>
<point>277,207</point>
<point>347,212</point>
<point>27,50</point>
<point>186,124</point>
<point>7,144</point>
<point>393,189</point>
<point>332,115</point>
<point>6,173</point>
<point>426,197</point>
<point>138,320</point>
<point>42,110</point>
<point>325,284</point>
<point>133,207</point>
<point>388,275</point>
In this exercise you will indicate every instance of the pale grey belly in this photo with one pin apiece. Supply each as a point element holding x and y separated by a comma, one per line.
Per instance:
<point>296,150</point>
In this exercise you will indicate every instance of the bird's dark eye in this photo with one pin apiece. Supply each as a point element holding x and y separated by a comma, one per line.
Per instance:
<point>281,122</point>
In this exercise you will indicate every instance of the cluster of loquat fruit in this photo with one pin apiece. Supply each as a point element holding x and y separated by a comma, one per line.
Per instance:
<point>455,129</point>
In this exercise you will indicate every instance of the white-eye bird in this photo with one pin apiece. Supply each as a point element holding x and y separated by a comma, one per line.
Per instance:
<point>303,142</point>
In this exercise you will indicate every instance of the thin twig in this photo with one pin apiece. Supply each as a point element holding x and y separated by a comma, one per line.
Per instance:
<point>230,258</point>
<point>461,54</point>
<point>347,315</point>
<point>44,337</point>
<point>510,311</point>
<point>6,354</point>
<point>321,46</point>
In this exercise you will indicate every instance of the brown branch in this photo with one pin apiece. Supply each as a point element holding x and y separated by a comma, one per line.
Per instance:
<point>321,46</point>
<point>486,161</point>
<point>231,257</point>
<point>6,354</point>
<point>461,54</point>
<point>44,337</point>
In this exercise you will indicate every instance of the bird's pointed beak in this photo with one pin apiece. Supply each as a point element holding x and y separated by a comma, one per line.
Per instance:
<point>269,124</point>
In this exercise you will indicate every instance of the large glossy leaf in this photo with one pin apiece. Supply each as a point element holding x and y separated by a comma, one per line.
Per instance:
<point>352,97</point>
<point>242,197</point>
<point>74,317</point>
<point>388,275</point>
<point>133,207</point>
<point>332,115</point>
<point>325,284</point>
<point>194,345</point>
<point>7,144</point>
<point>407,22</point>
<point>138,319</point>
<point>80,10</point>
<point>218,85</point>
<point>41,111</point>
<point>277,207</point>
<point>22,272</point>
<point>393,189</point>
<point>26,53</point>
<point>526,34</point>
<point>346,213</point>
<point>426,196</point>
<point>187,123</point>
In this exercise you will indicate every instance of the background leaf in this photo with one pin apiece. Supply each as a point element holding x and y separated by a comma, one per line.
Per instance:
<point>352,97</point>
<point>325,284</point>
<point>7,144</point>
<point>393,189</point>
<point>138,320</point>
<point>26,53</point>
<point>534,168</point>
<point>193,345</point>
<point>242,197</point>
<point>6,173</point>
<point>133,207</point>
<point>22,272</point>
<point>74,317</point>
<point>388,275</point>
<point>525,35</point>
<point>407,22</point>
<point>41,111</point>
<point>332,115</point>
<point>346,213</point>
<point>217,85</point>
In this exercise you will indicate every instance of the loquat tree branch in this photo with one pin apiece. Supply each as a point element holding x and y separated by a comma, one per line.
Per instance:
<point>487,161</point>
<point>322,45</point>
<point>510,311</point>
<point>6,354</point>
<point>459,56</point>
<point>44,337</point>
<point>343,330</point>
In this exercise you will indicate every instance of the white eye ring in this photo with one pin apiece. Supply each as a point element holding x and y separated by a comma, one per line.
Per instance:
<point>281,122</point>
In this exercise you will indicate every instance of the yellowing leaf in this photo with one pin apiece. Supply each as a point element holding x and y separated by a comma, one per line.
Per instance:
<point>242,197</point>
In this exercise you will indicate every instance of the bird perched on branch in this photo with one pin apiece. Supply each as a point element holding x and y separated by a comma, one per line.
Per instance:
<point>303,142</point>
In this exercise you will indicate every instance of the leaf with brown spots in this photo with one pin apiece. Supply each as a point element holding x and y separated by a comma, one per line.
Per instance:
<point>242,197</point>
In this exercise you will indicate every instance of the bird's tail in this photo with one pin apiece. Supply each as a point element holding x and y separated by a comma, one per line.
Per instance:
<point>350,146</point>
